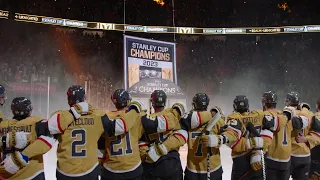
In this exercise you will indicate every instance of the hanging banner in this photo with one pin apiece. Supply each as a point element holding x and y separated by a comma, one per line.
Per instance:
<point>37,88</point>
<point>148,59</point>
<point>147,86</point>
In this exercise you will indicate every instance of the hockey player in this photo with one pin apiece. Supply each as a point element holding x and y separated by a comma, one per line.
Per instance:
<point>194,123</point>
<point>246,152</point>
<point>78,131</point>
<point>14,138</point>
<point>123,157</point>
<point>159,151</point>
<point>278,154</point>
<point>120,99</point>
<point>315,158</point>
<point>2,99</point>
<point>300,153</point>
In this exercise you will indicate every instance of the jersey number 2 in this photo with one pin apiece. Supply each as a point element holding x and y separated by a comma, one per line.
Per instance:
<point>80,134</point>
<point>118,141</point>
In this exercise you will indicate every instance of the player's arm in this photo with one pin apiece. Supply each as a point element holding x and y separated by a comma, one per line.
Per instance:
<point>101,149</point>
<point>173,142</point>
<point>118,126</point>
<point>19,140</point>
<point>230,136</point>
<point>274,123</point>
<point>298,121</point>
<point>165,122</point>
<point>40,146</point>
<point>61,120</point>
<point>143,148</point>
<point>43,143</point>
<point>313,138</point>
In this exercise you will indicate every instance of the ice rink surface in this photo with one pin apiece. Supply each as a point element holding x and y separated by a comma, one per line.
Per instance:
<point>50,160</point>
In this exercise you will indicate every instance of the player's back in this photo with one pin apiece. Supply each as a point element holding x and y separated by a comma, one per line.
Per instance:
<point>279,151</point>
<point>123,150</point>
<point>77,151</point>
<point>197,153</point>
<point>244,118</point>
<point>301,149</point>
<point>35,166</point>
<point>159,137</point>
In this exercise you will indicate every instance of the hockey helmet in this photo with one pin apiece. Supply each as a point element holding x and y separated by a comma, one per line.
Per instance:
<point>76,94</point>
<point>292,99</point>
<point>200,102</point>
<point>2,95</point>
<point>21,107</point>
<point>269,97</point>
<point>158,98</point>
<point>241,104</point>
<point>121,98</point>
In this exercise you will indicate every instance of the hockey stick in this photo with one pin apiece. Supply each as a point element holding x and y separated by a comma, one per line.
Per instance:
<point>255,133</point>
<point>208,128</point>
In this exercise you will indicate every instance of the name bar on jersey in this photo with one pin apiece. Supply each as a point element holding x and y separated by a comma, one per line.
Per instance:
<point>159,29</point>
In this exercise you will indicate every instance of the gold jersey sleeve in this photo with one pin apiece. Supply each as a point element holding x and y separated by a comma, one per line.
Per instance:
<point>237,126</point>
<point>301,149</point>
<point>35,165</point>
<point>235,129</point>
<point>123,150</point>
<point>194,119</point>
<point>280,148</point>
<point>159,126</point>
<point>57,123</point>
<point>197,153</point>
<point>175,140</point>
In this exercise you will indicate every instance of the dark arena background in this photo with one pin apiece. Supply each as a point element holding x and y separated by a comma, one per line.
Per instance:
<point>223,48</point>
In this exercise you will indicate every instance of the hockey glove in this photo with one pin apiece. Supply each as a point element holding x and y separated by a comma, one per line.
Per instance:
<point>256,160</point>
<point>289,112</point>
<point>304,105</point>
<point>18,140</point>
<point>136,105</point>
<point>15,161</point>
<point>180,108</point>
<point>143,149</point>
<point>155,152</point>
<point>213,140</point>
<point>255,143</point>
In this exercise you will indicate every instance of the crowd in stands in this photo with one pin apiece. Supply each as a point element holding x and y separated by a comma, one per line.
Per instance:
<point>222,66</point>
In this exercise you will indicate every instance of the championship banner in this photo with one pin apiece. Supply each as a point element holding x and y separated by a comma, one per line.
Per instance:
<point>148,59</point>
<point>145,87</point>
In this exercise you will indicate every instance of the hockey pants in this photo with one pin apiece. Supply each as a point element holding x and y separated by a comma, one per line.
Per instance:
<point>168,167</point>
